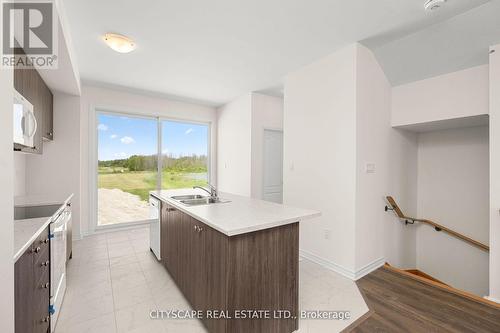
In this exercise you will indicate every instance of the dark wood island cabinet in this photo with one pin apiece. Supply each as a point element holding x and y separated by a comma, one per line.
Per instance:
<point>234,275</point>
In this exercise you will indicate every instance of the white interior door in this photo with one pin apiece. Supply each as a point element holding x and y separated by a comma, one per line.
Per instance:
<point>273,166</point>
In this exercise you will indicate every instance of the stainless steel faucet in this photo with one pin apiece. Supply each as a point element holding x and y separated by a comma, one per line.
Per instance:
<point>213,191</point>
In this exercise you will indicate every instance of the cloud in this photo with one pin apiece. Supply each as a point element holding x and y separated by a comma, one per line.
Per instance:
<point>121,155</point>
<point>113,136</point>
<point>189,131</point>
<point>127,140</point>
<point>102,127</point>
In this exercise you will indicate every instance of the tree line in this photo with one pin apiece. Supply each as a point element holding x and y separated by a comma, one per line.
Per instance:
<point>193,163</point>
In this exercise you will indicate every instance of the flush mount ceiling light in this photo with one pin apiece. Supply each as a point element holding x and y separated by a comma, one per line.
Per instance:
<point>432,5</point>
<point>119,43</point>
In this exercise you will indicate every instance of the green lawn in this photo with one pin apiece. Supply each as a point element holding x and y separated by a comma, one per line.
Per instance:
<point>141,182</point>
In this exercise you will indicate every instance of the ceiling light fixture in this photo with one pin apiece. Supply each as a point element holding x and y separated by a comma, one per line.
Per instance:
<point>432,5</point>
<point>119,43</point>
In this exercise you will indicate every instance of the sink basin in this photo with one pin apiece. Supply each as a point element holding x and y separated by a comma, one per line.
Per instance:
<point>202,201</point>
<point>188,197</point>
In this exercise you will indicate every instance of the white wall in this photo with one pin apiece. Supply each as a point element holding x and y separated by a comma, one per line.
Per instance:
<point>455,95</point>
<point>380,236</point>
<point>267,113</point>
<point>19,174</point>
<point>320,155</point>
<point>136,103</point>
<point>494,291</point>
<point>234,142</point>
<point>6,201</point>
<point>56,173</point>
<point>337,120</point>
<point>453,190</point>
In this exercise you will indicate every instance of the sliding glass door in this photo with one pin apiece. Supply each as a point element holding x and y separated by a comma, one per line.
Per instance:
<point>184,154</point>
<point>127,167</point>
<point>137,155</point>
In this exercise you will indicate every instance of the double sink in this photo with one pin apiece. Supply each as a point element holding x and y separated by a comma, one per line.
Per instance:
<point>197,199</point>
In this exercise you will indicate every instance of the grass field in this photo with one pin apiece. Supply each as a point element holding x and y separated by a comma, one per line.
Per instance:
<point>141,182</point>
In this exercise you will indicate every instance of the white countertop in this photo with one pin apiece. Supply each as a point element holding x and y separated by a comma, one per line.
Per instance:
<point>41,200</point>
<point>240,215</point>
<point>26,231</point>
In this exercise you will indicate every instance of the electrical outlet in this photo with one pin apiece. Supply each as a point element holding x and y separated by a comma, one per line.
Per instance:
<point>327,234</point>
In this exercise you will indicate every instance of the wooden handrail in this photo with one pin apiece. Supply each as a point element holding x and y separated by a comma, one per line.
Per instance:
<point>438,227</point>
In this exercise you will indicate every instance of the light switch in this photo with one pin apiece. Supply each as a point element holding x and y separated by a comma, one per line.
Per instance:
<point>370,167</point>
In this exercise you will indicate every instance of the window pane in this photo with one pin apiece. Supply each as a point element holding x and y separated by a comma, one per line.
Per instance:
<point>127,169</point>
<point>184,155</point>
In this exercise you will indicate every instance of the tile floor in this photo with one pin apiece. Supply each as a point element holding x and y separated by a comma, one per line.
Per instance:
<point>114,281</point>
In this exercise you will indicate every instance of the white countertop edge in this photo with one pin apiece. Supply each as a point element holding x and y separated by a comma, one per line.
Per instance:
<point>42,227</point>
<point>235,232</point>
<point>39,200</point>
<point>267,226</point>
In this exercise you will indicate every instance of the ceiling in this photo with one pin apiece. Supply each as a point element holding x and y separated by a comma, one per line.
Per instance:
<point>214,51</point>
<point>458,43</point>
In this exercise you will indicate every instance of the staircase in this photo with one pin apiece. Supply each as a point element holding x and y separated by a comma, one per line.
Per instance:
<point>418,273</point>
<point>402,301</point>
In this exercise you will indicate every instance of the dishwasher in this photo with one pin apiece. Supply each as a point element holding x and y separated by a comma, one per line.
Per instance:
<point>58,229</point>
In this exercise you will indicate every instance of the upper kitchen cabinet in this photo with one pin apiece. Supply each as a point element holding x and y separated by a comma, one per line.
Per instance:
<point>29,83</point>
<point>47,106</point>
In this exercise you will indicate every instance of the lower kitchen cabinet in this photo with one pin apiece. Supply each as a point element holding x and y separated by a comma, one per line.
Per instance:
<point>215,272</point>
<point>32,287</point>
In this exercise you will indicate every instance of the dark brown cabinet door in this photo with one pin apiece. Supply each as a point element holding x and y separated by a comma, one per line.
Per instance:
<point>163,233</point>
<point>194,258</point>
<point>32,288</point>
<point>24,293</point>
<point>213,282</point>
<point>170,240</point>
<point>47,107</point>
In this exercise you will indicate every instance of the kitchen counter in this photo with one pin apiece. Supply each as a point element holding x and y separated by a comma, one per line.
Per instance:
<point>233,257</point>
<point>240,215</point>
<point>26,231</point>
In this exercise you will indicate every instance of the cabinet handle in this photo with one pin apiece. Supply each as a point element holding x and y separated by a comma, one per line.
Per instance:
<point>45,241</point>
<point>45,263</point>
<point>38,248</point>
<point>197,228</point>
<point>44,285</point>
<point>46,319</point>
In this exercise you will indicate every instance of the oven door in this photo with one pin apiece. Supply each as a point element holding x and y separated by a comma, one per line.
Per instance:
<point>58,263</point>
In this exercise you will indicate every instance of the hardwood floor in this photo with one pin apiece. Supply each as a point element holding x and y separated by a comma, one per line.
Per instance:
<point>400,304</point>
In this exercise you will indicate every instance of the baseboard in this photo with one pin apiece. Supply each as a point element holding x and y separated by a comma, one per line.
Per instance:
<point>76,237</point>
<point>346,272</point>
<point>493,299</point>
<point>115,227</point>
<point>367,269</point>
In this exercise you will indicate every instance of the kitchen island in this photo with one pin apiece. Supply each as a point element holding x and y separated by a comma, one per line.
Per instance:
<point>236,262</point>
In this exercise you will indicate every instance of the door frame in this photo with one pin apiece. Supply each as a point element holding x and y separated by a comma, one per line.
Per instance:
<point>93,227</point>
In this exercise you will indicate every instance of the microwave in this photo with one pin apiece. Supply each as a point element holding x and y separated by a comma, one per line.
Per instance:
<point>25,124</point>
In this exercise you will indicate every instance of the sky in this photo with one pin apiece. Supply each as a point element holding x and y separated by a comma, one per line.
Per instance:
<point>121,137</point>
